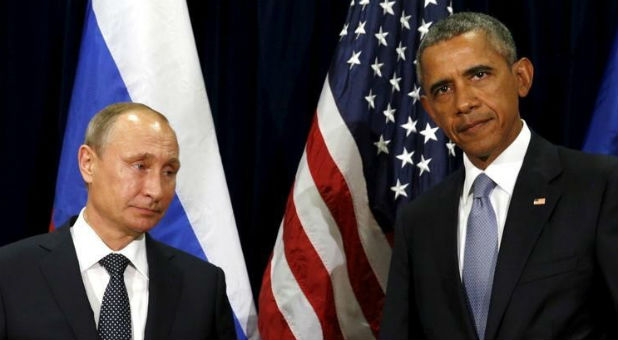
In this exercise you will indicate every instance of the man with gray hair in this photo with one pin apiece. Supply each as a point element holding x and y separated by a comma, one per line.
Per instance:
<point>522,241</point>
<point>101,276</point>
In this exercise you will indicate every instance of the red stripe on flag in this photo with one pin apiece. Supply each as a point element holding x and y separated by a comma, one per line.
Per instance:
<point>271,323</point>
<point>309,272</point>
<point>52,227</point>
<point>334,191</point>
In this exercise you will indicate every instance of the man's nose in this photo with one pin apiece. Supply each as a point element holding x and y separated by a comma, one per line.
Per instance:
<point>153,186</point>
<point>465,99</point>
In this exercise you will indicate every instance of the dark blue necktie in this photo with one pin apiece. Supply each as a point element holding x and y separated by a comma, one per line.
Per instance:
<point>480,252</point>
<point>115,316</point>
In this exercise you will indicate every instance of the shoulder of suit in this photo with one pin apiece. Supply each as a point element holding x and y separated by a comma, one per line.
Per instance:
<point>33,246</point>
<point>587,163</point>
<point>574,159</point>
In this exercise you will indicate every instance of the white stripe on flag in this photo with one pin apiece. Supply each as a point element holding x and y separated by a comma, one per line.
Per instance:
<point>322,231</point>
<point>153,47</point>
<point>345,154</point>
<point>289,297</point>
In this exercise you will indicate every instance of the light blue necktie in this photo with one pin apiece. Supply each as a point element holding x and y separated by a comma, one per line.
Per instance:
<point>481,252</point>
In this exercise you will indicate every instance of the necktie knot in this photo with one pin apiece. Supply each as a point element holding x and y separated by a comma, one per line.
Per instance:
<point>482,186</point>
<point>115,264</point>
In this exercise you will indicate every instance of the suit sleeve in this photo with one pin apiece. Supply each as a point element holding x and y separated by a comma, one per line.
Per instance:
<point>224,319</point>
<point>400,319</point>
<point>607,238</point>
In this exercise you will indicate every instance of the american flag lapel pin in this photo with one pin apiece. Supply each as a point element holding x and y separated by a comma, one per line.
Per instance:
<point>539,201</point>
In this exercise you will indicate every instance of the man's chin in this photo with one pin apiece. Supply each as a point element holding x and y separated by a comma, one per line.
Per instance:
<point>142,225</point>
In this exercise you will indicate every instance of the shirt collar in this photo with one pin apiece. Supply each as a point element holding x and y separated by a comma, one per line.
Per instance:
<point>90,248</point>
<point>504,169</point>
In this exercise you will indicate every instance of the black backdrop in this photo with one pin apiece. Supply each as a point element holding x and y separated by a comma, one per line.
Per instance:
<point>264,64</point>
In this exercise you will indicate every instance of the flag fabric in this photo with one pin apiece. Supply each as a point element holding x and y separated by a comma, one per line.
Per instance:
<point>144,51</point>
<point>370,149</point>
<point>603,131</point>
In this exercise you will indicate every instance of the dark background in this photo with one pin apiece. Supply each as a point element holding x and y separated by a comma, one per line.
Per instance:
<point>264,63</point>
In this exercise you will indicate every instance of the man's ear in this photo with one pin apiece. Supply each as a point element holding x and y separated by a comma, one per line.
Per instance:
<point>86,159</point>
<point>524,71</point>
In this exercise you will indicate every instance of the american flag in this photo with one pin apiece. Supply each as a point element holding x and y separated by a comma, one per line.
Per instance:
<point>371,148</point>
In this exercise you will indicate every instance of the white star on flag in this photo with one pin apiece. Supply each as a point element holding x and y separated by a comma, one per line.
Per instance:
<point>389,113</point>
<point>410,126</point>
<point>415,94</point>
<point>405,157</point>
<point>354,59</point>
<point>423,165</point>
<point>405,20</point>
<point>400,189</point>
<point>424,28</point>
<point>427,2</point>
<point>381,36</point>
<point>387,7</point>
<point>376,66</point>
<point>401,52</point>
<point>343,32</point>
<point>360,29</point>
<point>364,3</point>
<point>395,82</point>
<point>451,148</point>
<point>429,133</point>
<point>382,145</point>
<point>370,98</point>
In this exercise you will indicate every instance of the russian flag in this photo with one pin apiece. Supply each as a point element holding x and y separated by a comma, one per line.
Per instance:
<point>603,131</point>
<point>144,51</point>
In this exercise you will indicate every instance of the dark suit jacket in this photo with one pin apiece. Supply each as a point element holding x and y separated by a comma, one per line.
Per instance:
<point>42,295</point>
<point>557,269</point>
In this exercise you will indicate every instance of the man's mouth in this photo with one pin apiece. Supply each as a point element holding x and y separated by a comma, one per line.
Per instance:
<point>473,126</point>
<point>148,211</point>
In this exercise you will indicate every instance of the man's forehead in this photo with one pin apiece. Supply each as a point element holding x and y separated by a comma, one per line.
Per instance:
<point>476,42</point>
<point>134,129</point>
<point>461,52</point>
<point>143,116</point>
<point>141,119</point>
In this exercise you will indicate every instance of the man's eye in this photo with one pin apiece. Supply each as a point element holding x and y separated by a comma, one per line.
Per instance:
<point>139,166</point>
<point>441,90</point>
<point>170,171</point>
<point>480,74</point>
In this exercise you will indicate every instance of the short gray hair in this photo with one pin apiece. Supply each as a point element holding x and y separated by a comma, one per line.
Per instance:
<point>459,23</point>
<point>101,124</point>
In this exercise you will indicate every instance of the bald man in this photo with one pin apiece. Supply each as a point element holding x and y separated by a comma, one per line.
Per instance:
<point>104,276</point>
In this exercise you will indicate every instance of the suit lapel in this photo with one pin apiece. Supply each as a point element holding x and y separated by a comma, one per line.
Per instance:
<point>164,290</point>
<point>61,271</point>
<point>447,218</point>
<point>525,221</point>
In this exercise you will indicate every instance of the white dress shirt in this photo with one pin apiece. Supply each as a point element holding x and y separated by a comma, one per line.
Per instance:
<point>90,249</point>
<point>503,171</point>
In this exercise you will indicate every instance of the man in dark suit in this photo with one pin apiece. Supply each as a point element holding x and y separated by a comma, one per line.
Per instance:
<point>522,242</point>
<point>102,276</point>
